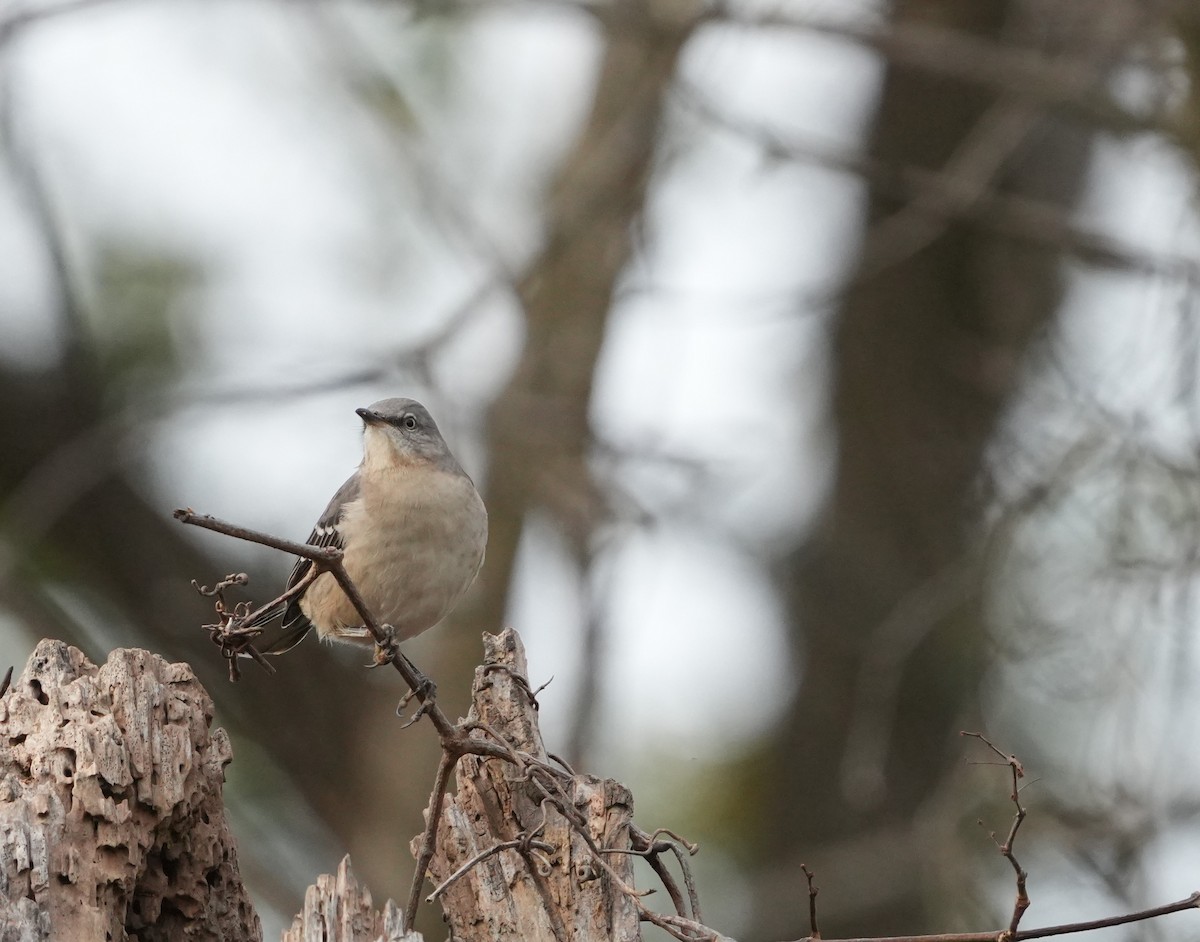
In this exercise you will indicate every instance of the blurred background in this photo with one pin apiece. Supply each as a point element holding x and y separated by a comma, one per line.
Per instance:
<point>829,369</point>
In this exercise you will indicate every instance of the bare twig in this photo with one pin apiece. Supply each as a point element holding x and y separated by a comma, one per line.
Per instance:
<point>514,844</point>
<point>1012,933</point>
<point>429,840</point>
<point>237,627</point>
<point>318,554</point>
<point>658,865</point>
<point>813,890</point>
<point>524,842</point>
<point>692,847</point>
<point>235,578</point>
<point>1190,902</point>
<point>649,847</point>
<point>1006,849</point>
<point>232,633</point>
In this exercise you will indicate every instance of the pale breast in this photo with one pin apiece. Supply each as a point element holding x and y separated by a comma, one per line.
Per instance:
<point>414,544</point>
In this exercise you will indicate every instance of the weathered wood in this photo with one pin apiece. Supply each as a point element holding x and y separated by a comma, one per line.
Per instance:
<point>510,894</point>
<point>111,816</point>
<point>337,909</point>
<point>112,826</point>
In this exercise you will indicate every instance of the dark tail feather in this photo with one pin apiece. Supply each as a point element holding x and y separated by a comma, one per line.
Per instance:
<point>295,627</point>
<point>266,615</point>
<point>292,635</point>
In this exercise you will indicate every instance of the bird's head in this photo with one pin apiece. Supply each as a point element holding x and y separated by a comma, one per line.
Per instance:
<point>399,432</point>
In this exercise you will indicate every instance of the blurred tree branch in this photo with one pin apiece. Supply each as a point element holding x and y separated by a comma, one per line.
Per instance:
<point>939,197</point>
<point>539,428</point>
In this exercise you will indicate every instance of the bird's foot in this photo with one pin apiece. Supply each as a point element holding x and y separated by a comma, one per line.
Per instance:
<point>423,689</point>
<point>388,651</point>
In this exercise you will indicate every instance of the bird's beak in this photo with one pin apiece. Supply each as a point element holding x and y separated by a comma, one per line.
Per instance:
<point>371,418</point>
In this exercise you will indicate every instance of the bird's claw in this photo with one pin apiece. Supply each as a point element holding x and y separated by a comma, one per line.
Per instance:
<point>424,690</point>
<point>420,711</point>
<point>386,652</point>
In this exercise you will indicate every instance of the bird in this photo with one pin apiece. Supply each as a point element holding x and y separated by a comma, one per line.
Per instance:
<point>412,529</point>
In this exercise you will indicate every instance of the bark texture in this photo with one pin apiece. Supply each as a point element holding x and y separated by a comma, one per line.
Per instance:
<point>527,893</point>
<point>337,909</point>
<point>111,817</point>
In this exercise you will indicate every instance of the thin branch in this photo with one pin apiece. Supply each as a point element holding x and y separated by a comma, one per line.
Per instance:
<point>680,927</point>
<point>940,196</point>
<point>318,554</point>
<point>1006,849</point>
<point>515,844</point>
<point>650,848</point>
<point>453,739</point>
<point>429,840</point>
<point>660,868</point>
<point>813,890</point>
<point>1191,902</point>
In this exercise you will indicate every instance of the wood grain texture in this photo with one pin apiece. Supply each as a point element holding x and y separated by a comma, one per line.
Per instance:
<point>511,894</point>
<point>338,909</point>
<point>111,816</point>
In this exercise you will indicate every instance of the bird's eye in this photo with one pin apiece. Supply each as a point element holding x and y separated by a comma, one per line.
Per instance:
<point>410,422</point>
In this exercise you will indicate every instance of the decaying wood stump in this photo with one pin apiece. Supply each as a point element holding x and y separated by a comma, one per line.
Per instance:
<point>526,893</point>
<point>337,909</point>
<point>111,818</point>
<point>112,825</point>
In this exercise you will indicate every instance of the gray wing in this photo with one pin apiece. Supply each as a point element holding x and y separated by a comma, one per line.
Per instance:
<point>326,532</point>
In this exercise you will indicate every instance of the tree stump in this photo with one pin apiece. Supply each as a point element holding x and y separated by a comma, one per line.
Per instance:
<point>524,892</point>
<point>111,817</point>
<point>337,909</point>
<point>112,825</point>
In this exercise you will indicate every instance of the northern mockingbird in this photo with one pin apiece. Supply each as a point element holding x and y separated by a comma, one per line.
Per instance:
<point>411,525</point>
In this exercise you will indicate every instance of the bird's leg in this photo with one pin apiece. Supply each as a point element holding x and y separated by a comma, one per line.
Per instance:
<point>423,688</point>
<point>387,650</point>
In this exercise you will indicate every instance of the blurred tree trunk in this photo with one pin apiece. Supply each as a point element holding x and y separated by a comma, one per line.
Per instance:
<point>928,344</point>
<point>539,426</point>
